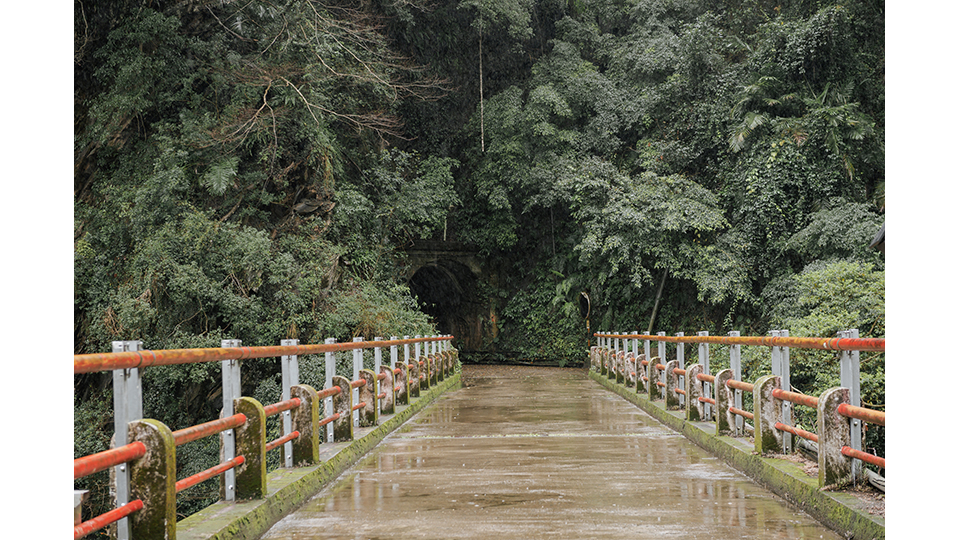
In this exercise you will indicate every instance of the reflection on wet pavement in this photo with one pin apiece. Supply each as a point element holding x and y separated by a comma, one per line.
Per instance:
<point>544,454</point>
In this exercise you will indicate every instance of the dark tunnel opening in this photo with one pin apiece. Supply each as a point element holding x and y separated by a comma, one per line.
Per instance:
<point>446,291</point>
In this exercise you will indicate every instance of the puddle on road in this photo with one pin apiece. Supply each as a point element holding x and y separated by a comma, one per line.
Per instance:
<point>569,461</point>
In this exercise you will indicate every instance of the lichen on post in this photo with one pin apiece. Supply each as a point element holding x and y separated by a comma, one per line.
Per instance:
<point>343,405</point>
<point>305,419</point>
<point>724,396</point>
<point>153,480</point>
<point>694,389</point>
<point>833,433</point>
<point>251,439</point>
<point>670,397</point>
<point>766,413</point>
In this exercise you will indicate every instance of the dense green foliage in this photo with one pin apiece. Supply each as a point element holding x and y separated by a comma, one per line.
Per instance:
<point>251,170</point>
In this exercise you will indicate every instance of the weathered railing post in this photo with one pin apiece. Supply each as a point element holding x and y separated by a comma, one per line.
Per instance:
<point>724,398</point>
<point>414,366</point>
<point>231,391</point>
<point>653,375</point>
<point>671,399</point>
<point>642,373</point>
<point>153,480</point>
<point>403,389</point>
<point>661,359</point>
<point>833,433</point>
<point>703,354</point>
<point>387,387</point>
<point>631,369</point>
<point>305,449</point>
<point>681,363</point>
<point>127,407</point>
<point>251,477</point>
<point>766,413</point>
<point>694,390</point>
<point>368,416</point>
<point>357,366</point>
<point>850,378</point>
<point>343,406</point>
<point>290,377</point>
<point>780,366</point>
<point>330,369</point>
<point>737,375</point>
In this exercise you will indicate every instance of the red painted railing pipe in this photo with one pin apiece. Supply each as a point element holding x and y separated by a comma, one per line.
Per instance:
<point>332,418</point>
<point>660,366</point>
<point>679,391</point>
<point>382,395</point>
<point>827,344</point>
<point>195,479</point>
<point>661,385</point>
<point>279,407</point>
<point>678,371</point>
<point>741,412</point>
<point>91,363</point>
<point>183,436</point>
<point>381,376</point>
<point>279,442</point>
<point>398,387</point>
<point>107,518</point>
<point>867,415</point>
<point>863,456</point>
<point>740,385</point>
<point>798,432</point>
<point>706,378</point>
<point>102,461</point>
<point>360,405</point>
<point>711,401</point>
<point>357,383</point>
<point>328,392</point>
<point>396,371</point>
<point>793,397</point>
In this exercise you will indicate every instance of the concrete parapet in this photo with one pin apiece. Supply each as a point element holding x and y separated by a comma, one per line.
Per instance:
<point>833,432</point>
<point>343,405</point>
<point>251,477</point>
<point>694,389</point>
<point>726,421</point>
<point>767,412</point>
<point>387,387</point>
<point>153,480</point>
<point>305,419</point>
<point>670,397</point>
<point>368,396</point>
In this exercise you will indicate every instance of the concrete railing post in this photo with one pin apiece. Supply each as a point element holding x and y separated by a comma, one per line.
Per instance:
<point>703,354</point>
<point>305,449</point>
<point>290,377</point>
<point>621,374</point>
<point>368,416</point>
<point>661,359</point>
<point>357,366</point>
<point>642,372</point>
<point>653,374</point>
<point>671,399</point>
<point>631,369</point>
<point>724,398</point>
<point>251,475</point>
<point>850,378</point>
<point>737,375</point>
<point>231,391</point>
<point>766,413</point>
<point>127,407</point>
<point>780,366</point>
<point>387,386</point>
<point>833,432</point>
<point>694,390</point>
<point>343,406</point>
<point>330,369</point>
<point>681,362</point>
<point>153,480</point>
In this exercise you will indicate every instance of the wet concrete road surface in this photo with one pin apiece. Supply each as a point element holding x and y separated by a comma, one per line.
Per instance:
<point>525,453</point>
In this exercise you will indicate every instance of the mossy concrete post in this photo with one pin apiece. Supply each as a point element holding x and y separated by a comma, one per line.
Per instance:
<point>694,390</point>
<point>631,369</point>
<point>612,368</point>
<point>305,419</point>
<point>153,480</point>
<point>602,368</point>
<point>671,398</point>
<point>368,396</point>
<point>653,374</point>
<point>641,373</point>
<point>251,477</point>
<point>388,387</point>
<point>726,421</point>
<point>402,383</point>
<point>766,413</point>
<point>424,373</point>
<point>435,367</point>
<point>833,432</point>
<point>414,378</point>
<point>621,367</point>
<point>343,406</point>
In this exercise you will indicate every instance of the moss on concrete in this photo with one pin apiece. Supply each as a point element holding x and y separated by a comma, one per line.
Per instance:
<point>836,511</point>
<point>287,489</point>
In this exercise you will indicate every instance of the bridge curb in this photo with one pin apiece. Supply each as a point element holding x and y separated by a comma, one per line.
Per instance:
<point>287,489</point>
<point>836,511</point>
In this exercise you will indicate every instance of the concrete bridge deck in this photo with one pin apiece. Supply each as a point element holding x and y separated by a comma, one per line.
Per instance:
<point>541,453</point>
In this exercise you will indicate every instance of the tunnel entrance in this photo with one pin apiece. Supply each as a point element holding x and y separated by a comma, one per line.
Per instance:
<point>446,290</point>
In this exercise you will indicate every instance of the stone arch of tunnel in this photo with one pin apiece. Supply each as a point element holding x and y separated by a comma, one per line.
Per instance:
<point>446,290</point>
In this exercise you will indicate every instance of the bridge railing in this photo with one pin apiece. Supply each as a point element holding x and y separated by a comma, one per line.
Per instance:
<point>144,459</point>
<point>704,396</point>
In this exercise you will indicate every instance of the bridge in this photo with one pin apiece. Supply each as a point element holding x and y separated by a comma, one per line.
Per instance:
<point>637,445</point>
